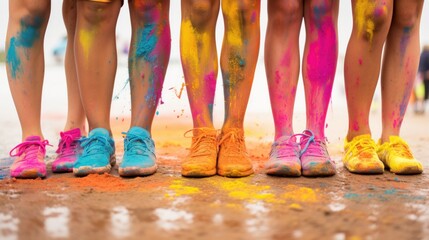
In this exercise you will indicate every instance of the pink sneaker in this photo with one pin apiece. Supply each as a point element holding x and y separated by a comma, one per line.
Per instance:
<point>30,158</point>
<point>315,160</point>
<point>68,150</point>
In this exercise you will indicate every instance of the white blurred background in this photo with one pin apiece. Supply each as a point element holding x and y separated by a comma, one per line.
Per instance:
<point>259,112</point>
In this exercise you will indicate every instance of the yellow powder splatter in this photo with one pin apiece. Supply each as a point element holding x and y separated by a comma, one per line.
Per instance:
<point>86,38</point>
<point>232,15</point>
<point>195,48</point>
<point>364,11</point>
<point>238,189</point>
<point>295,206</point>
<point>180,189</point>
<point>300,194</point>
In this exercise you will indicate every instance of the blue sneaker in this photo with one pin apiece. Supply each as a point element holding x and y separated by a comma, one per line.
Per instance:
<point>139,154</point>
<point>98,153</point>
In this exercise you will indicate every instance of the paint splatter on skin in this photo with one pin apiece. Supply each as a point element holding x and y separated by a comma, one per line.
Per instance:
<point>86,38</point>
<point>405,39</point>
<point>233,14</point>
<point>194,51</point>
<point>24,39</point>
<point>364,18</point>
<point>320,68</point>
<point>146,42</point>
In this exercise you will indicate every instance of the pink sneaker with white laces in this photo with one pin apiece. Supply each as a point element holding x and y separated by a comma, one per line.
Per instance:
<point>68,150</point>
<point>30,161</point>
<point>315,160</point>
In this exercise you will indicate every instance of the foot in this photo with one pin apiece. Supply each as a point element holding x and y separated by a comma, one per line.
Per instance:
<point>315,160</point>
<point>139,154</point>
<point>98,153</point>
<point>284,158</point>
<point>30,161</point>
<point>397,156</point>
<point>201,161</point>
<point>361,157</point>
<point>68,150</point>
<point>233,160</point>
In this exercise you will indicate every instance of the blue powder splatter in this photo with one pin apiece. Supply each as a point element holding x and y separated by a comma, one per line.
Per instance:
<point>146,42</point>
<point>390,191</point>
<point>12,58</point>
<point>29,34</point>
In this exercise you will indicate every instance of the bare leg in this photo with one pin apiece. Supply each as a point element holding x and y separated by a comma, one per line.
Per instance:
<point>199,61</point>
<point>96,59</point>
<point>363,57</point>
<point>149,55</point>
<point>320,61</point>
<point>199,57</point>
<point>239,55</point>
<point>75,112</point>
<point>25,63</point>
<point>400,64</point>
<point>282,60</point>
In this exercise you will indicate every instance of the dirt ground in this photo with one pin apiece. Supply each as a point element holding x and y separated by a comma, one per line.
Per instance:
<point>168,206</point>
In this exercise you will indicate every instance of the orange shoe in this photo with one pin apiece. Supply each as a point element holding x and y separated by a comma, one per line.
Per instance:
<point>233,160</point>
<point>201,161</point>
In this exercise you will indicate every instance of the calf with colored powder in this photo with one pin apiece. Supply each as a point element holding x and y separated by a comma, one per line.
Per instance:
<point>224,154</point>
<point>68,146</point>
<point>305,153</point>
<point>25,67</point>
<point>395,26</point>
<point>96,63</point>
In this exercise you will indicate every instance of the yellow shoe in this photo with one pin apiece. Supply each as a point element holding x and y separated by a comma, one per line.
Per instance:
<point>361,157</point>
<point>233,160</point>
<point>201,161</point>
<point>397,156</point>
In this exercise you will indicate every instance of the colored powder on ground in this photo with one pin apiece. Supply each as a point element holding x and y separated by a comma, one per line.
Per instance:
<point>300,194</point>
<point>180,189</point>
<point>239,189</point>
<point>103,183</point>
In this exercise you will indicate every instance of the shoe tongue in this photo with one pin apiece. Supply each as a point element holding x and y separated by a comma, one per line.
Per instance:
<point>33,139</point>
<point>198,131</point>
<point>139,132</point>
<point>99,131</point>
<point>75,133</point>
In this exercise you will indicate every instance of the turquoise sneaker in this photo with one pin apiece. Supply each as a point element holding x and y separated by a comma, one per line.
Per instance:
<point>139,154</point>
<point>98,153</point>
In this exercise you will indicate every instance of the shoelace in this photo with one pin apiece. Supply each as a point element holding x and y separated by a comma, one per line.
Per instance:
<point>285,147</point>
<point>313,147</point>
<point>201,143</point>
<point>31,148</point>
<point>131,146</point>
<point>234,143</point>
<point>67,144</point>
<point>402,149</point>
<point>363,145</point>
<point>89,144</point>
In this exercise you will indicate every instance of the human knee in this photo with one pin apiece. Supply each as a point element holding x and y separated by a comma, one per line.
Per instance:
<point>201,12</point>
<point>96,12</point>
<point>406,18</point>
<point>35,14</point>
<point>284,12</point>
<point>320,10</point>
<point>246,8</point>
<point>372,20</point>
<point>146,10</point>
